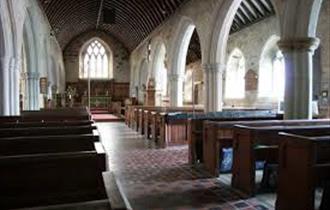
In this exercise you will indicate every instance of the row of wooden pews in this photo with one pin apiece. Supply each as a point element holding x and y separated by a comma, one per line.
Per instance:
<point>161,124</point>
<point>50,157</point>
<point>300,157</point>
<point>241,141</point>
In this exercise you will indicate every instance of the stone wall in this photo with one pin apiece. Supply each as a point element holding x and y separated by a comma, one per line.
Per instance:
<point>121,69</point>
<point>251,42</point>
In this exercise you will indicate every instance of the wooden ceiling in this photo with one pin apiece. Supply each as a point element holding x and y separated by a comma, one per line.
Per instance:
<point>135,19</point>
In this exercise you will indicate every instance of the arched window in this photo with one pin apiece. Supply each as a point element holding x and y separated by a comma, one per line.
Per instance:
<point>235,82</point>
<point>272,71</point>
<point>96,61</point>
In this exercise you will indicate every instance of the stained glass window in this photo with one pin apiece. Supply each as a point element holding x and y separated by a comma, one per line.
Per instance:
<point>96,63</point>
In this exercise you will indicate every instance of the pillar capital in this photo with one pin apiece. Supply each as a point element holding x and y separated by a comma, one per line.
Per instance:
<point>299,44</point>
<point>214,67</point>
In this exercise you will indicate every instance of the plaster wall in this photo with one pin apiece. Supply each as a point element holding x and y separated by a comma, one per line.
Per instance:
<point>121,67</point>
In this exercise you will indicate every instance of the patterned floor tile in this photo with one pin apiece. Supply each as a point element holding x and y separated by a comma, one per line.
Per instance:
<point>161,179</point>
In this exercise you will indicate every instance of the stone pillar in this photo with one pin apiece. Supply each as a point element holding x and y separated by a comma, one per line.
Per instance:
<point>14,74</point>
<point>4,86</point>
<point>176,90</point>
<point>298,53</point>
<point>213,97</point>
<point>32,90</point>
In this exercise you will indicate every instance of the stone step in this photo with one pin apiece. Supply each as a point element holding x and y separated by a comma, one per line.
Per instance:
<point>116,196</point>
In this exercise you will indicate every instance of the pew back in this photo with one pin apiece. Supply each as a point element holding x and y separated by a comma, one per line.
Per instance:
<point>261,143</point>
<point>304,162</point>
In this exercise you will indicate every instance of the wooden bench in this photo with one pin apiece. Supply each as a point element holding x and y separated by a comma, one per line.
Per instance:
<point>219,135</point>
<point>45,131</point>
<point>196,131</point>
<point>304,162</point>
<point>41,179</point>
<point>61,114</point>
<point>19,124</point>
<point>47,144</point>
<point>50,115</point>
<point>156,118</point>
<point>253,144</point>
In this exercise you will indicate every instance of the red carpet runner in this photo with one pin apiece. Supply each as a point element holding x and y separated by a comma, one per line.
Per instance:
<point>99,115</point>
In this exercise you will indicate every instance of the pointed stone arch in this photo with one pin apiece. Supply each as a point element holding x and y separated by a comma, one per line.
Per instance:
<point>177,59</point>
<point>158,70</point>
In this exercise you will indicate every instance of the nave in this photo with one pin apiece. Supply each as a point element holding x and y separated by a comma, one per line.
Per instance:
<point>151,177</point>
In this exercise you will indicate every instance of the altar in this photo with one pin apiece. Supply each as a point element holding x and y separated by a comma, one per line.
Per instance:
<point>97,101</point>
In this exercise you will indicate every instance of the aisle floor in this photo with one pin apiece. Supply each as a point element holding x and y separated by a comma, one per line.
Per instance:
<point>161,179</point>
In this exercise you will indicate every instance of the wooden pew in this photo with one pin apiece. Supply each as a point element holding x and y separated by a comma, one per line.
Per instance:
<point>54,178</point>
<point>157,117</point>
<point>261,143</point>
<point>59,115</point>
<point>47,144</point>
<point>45,131</point>
<point>45,124</point>
<point>304,162</point>
<point>195,126</point>
<point>48,170</point>
<point>6,119</point>
<point>218,135</point>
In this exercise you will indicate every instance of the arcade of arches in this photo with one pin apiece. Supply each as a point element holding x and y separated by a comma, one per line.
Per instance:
<point>212,55</point>
<point>191,58</point>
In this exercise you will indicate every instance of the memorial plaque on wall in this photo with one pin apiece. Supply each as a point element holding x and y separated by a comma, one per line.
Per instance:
<point>251,80</point>
<point>43,85</point>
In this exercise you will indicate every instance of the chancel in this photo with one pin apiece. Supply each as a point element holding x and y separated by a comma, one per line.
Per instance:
<point>164,104</point>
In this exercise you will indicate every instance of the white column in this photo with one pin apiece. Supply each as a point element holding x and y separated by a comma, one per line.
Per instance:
<point>14,75</point>
<point>32,90</point>
<point>176,89</point>
<point>4,86</point>
<point>298,54</point>
<point>213,74</point>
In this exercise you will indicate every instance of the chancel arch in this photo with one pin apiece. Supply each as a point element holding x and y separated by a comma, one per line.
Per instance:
<point>96,60</point>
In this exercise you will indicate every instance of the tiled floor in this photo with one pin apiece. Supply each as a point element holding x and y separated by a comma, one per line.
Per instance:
<point>153,178</point>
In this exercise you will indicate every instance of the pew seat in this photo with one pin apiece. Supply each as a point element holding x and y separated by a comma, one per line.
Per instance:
<point>41,179</point>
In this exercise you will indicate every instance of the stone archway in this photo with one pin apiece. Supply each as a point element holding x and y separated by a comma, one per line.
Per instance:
<point>177,58</point>
<point>159,72</point>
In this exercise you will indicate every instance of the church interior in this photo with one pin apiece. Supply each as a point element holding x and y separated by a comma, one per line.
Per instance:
<point>165,104</point>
